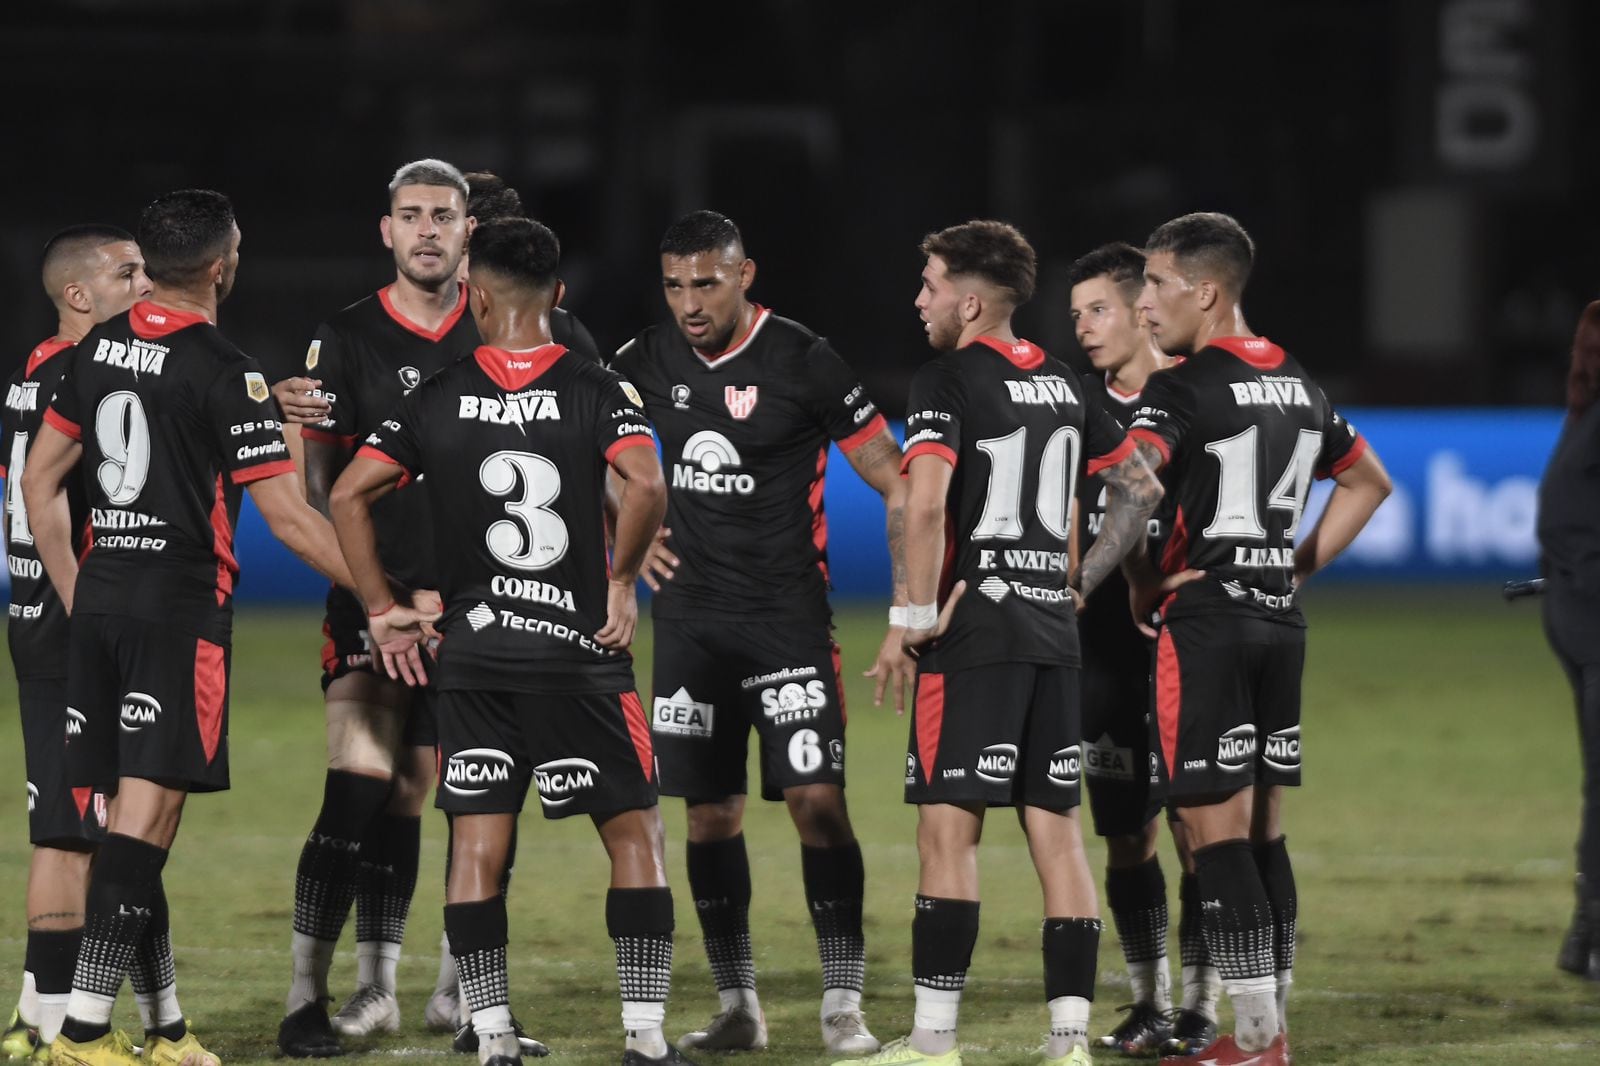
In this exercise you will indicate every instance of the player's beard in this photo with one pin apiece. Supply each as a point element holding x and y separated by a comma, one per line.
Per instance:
<point>945,333</point>
<point>713,342</point>
<point>430,280</point>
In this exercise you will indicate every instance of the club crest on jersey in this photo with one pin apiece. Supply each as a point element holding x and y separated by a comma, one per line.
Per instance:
<point>410,377</point>
<point>680,397</point>
<point>740,401</point>
<point>313,354</point>
<point>256,387</point>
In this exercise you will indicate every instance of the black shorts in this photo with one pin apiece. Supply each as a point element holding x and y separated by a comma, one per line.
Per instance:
<point>714,680</point>
<point>1119,759</point>
<point>145,701</point>
<point>58,815</point>
<point>1004,735</point>
<point>586,754</point>
<point>347,649</point>
<point>1227,703</point>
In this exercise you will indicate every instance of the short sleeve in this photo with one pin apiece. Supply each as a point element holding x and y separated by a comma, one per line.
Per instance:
<point>837,400</point>
<point>933,414</point>
<point>619,418</point>
<point>327,359</point>
<point>1341,444</point>
<point>398,438</point>
<point>64,412</point>
<point>1164,413</point>
<point>246,424</point>
<point>1104,441</point>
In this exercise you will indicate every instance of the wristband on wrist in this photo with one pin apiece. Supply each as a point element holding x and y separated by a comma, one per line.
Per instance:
<point>899,616</point>
<point>922,615</point>
<point>386,610</point>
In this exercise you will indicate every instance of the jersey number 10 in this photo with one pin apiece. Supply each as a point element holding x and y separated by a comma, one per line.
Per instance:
<point>1058,479</point>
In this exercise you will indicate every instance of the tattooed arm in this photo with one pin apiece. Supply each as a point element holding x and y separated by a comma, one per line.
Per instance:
<point>878,463</point>
<point>1132,492</point>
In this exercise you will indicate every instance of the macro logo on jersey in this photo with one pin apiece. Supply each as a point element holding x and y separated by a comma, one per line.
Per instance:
<point>1104,760</point>
<point>139,709</point>
<point>560,780</point>
<point>410,377</point>
<point>681,715</point>
<point>997,763</point>
<point>1236,748</point>
<point>680,397</point>
<point>1066,767</point>
<point>741,402</point>
<point>473,771</point>
<point>1282,751</point>
<point>709,465</point>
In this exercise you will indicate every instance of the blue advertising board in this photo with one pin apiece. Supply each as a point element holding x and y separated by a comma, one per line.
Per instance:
<point>1464,507</point>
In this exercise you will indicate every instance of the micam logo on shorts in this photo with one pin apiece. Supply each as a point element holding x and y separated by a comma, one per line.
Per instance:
<point>1066,767</point>
<point>1283,749</point>
<point>997,762</point>
<point>560,780</point>
<point>708,457</point>
<point>139,710</point>
<point>1236,748</point>
<point>75,721</point>
<point>471,772</point>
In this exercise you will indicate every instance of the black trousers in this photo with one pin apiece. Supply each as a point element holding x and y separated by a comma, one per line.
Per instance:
<point>1572,625</point>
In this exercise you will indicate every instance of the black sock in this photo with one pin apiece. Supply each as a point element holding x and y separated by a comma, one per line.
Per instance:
<point>478,938</point>
<point>1191,934</point>
<point>943,934</point>
<point>1137,896</point>
<point>387,877</point>
<point>152,968</point>
<point>325,882</point>
<point>1277,876</point>
<point>719,877</point>
<point>639,922</point>
<point>1235,913</point>
<point>122,886</point>
<point>1070,951</point>
<point>835,881</point>
<point>51,954</point>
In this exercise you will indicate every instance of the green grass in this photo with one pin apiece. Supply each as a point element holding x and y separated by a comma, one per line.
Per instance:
<point>1432,844</point>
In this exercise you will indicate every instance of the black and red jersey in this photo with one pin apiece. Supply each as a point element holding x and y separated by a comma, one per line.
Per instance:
<point>1105,628</point>
<point>37,632</point>
<point>1242,429</point>
<point>510,449</point>
<point>1013,422</point>
<point>174,420</point>
<point>744,437</point>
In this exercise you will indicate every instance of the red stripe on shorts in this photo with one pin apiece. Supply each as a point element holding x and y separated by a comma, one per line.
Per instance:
<point>1169,698</point>
<point>210,693</point>
<point>838,683</point>
<point>639,731</point>
<point>929,712</point>
<point>81,797</point>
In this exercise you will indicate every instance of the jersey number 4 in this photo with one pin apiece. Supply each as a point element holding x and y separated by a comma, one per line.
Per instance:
<point>1058,476</point>
<point>1238,513</point>
<point>533,537</point>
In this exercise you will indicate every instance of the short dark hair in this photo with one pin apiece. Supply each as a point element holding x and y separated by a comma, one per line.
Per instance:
<point>489,197</point>
<point>997,252</point>
<point>1212,242</point>
<point>1119,263</point>
<point>520,250</point>
<point>183,232</point>
<point>74,242</point>
<point>700,231</point>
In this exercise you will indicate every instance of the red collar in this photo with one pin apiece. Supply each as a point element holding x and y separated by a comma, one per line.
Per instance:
<point>427,334</point>
<point>40,355</point>
<point>739,345</point>
<point>517,370</point>
<point>1259,352</point>
<point>151,320</point>
<point>1024,355</point>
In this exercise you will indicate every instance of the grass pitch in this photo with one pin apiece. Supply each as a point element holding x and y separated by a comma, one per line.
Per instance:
<point>1432,844</point>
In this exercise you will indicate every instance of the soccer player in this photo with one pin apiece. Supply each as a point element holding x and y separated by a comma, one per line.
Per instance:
<point>535,683</point>
<point>997,436</point>
<point>365,843</point>
<point>90,272</point>
<point>171,423</point>
<point>1119,764</point>
<point>745,403</point>
<point>1239,430</point>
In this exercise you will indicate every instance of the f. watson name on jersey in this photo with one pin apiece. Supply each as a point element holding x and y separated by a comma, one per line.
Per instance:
<point>536,405</point>
<point>1274,391</point>
<point>1044,389</point>
<point>142,357</point>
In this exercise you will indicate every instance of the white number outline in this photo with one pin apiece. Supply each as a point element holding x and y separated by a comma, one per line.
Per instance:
<point>122,432</point>
<point>1237,514</point>
<point>1058,482</point>
<point>535,537</point>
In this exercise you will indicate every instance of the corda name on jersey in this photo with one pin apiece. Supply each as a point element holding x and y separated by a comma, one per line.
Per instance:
<point>518,409</point>
<point>522,588</point>
<point>1045,389</point>
<point>142,357</point>
<point>23,397</point>
<point>708,457</point>
<point>1274,391</point>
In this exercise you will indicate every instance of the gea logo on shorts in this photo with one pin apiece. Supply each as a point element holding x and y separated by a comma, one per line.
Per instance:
<point>997,763</point>
<point>680,715</point>
<point>471,772</point>
<point>1106,762</point>
<point>138,711</point>
<point>559,780</point>
<point>1066,767</point>
<point>1236,748</point>
<point>705,455</point>
<point>75,721</point>
<point>792,703</point>
<point>1283,749</point>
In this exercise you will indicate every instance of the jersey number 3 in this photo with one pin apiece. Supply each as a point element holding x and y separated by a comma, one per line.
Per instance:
<point>534,537</point>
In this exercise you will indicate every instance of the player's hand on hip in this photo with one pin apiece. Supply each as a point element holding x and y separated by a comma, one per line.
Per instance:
<point>397,634</point>
<point>297,399</point>
<point>914,639</point>
<point>431,604</point>
<point>893,669</point>
<point>659,562</point>
<point>622,615</point>
<point>1144,600</point>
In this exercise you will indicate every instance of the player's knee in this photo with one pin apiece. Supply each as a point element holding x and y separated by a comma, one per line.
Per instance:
<point>363,737</point>
<point>1130,849</point>
<point>413,776</point>
<point>350,802</point>
<point>715,819</point>
<point>820,815</point>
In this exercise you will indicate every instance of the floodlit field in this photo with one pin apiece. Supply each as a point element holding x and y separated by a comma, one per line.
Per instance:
<point>1432,844</point>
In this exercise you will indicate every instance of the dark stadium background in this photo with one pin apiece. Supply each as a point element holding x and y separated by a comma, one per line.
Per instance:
<point>1420,175</point>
